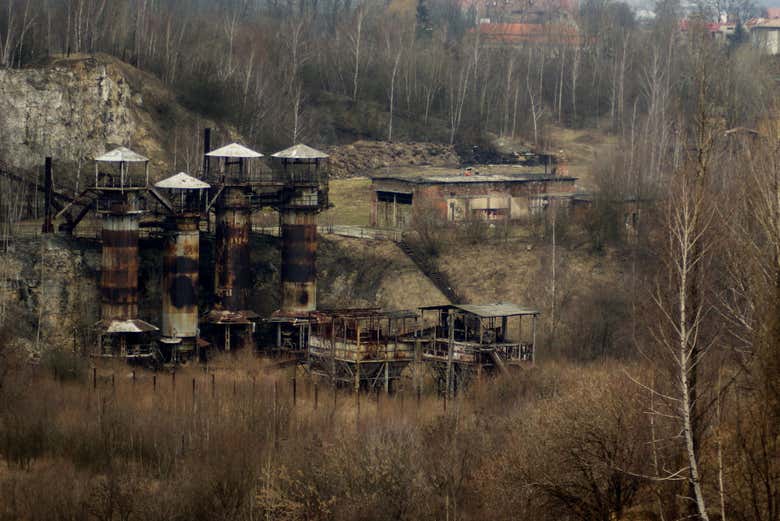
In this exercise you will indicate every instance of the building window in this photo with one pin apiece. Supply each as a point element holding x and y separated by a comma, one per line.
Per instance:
<point>393,197</point>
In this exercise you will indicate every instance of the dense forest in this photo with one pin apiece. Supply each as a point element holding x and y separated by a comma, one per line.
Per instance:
<point>331,71</point>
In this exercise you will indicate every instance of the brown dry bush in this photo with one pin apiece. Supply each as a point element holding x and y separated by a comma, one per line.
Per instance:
<point>553,442</point>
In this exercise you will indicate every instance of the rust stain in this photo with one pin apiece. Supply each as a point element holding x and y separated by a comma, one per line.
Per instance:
<point>299,261</point>
<point>233,281</point>
<point>180,279</point>
<point>119,268</point>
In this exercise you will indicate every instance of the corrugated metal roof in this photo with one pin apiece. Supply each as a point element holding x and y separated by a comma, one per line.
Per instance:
<point>224,316</point>
<point>182,181</point>
<point>122,154</point>
<point>500,309</point>
<point>234,150</point>
<point>444,175</point>
<point>128,326</point>
<point>300,151</point>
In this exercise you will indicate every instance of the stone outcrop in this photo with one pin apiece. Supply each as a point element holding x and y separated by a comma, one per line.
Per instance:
<point>361,157</point>
<point>76,108</point>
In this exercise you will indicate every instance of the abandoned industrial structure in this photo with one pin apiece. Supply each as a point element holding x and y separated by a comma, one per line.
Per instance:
<point>365,348</point>
<point>498,193</point>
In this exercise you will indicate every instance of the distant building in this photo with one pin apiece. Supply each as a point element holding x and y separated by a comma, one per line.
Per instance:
<point>719,31</point>
<point>493,193</point>
<point>508,34</point>
<point>522,11</point>
<point>515,22</point>
<point>765,34</point>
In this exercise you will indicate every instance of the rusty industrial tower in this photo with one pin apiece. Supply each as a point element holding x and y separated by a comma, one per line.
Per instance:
<point>121,177</point>
<point>234,185</point>
<point>183,198</point>
<point>303,170</point>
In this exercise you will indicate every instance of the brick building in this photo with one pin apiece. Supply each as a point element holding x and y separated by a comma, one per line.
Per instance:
<point>498,193</point>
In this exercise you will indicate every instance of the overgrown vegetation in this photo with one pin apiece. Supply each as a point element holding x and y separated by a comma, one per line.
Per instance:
<point>335,71</point>
<point>655,394</point>
<point>563,442</point>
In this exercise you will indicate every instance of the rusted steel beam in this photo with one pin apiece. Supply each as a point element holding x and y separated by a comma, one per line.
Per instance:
<point>161,198</point>
<point>180,278</point>
<point>299,256</point>
<point>233,222</point>
<point>119,267</point>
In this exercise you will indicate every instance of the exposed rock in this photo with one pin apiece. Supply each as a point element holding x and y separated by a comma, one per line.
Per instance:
<point>361,157</point>
<point>76,108</point>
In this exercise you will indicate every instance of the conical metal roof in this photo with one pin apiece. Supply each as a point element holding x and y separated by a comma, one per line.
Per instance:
<point>182,181</point>
<point>234,150</point>
<point>122,155</point>
<point>300,151</point>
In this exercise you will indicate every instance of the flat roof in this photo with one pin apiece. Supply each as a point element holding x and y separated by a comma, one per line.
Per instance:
<point>499,309</point>
<point>367,313</point>
<point>462,175</point>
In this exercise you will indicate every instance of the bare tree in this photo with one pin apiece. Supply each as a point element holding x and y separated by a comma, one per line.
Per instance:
<point>458,88</point>
<point>356,39</point>
<point>535,97</point>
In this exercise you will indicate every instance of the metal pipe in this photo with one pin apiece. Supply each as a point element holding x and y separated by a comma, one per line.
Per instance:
<point>119,267</point>
<point>180,278</point>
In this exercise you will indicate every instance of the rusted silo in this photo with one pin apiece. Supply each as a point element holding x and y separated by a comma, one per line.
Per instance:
<point>306,188</point>
<point>181,263</point>
<point>233,223</point>
<point>120,205</point>
<point>119,267</point>
<point>233,186</point>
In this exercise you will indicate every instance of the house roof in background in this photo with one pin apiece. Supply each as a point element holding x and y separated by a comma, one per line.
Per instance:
<point>512,33</point>
<point>460,175</point>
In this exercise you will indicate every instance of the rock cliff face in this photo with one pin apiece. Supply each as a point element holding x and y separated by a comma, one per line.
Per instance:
<point>68,112</point>
<point>48,291</point>
<point>73,109</point>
